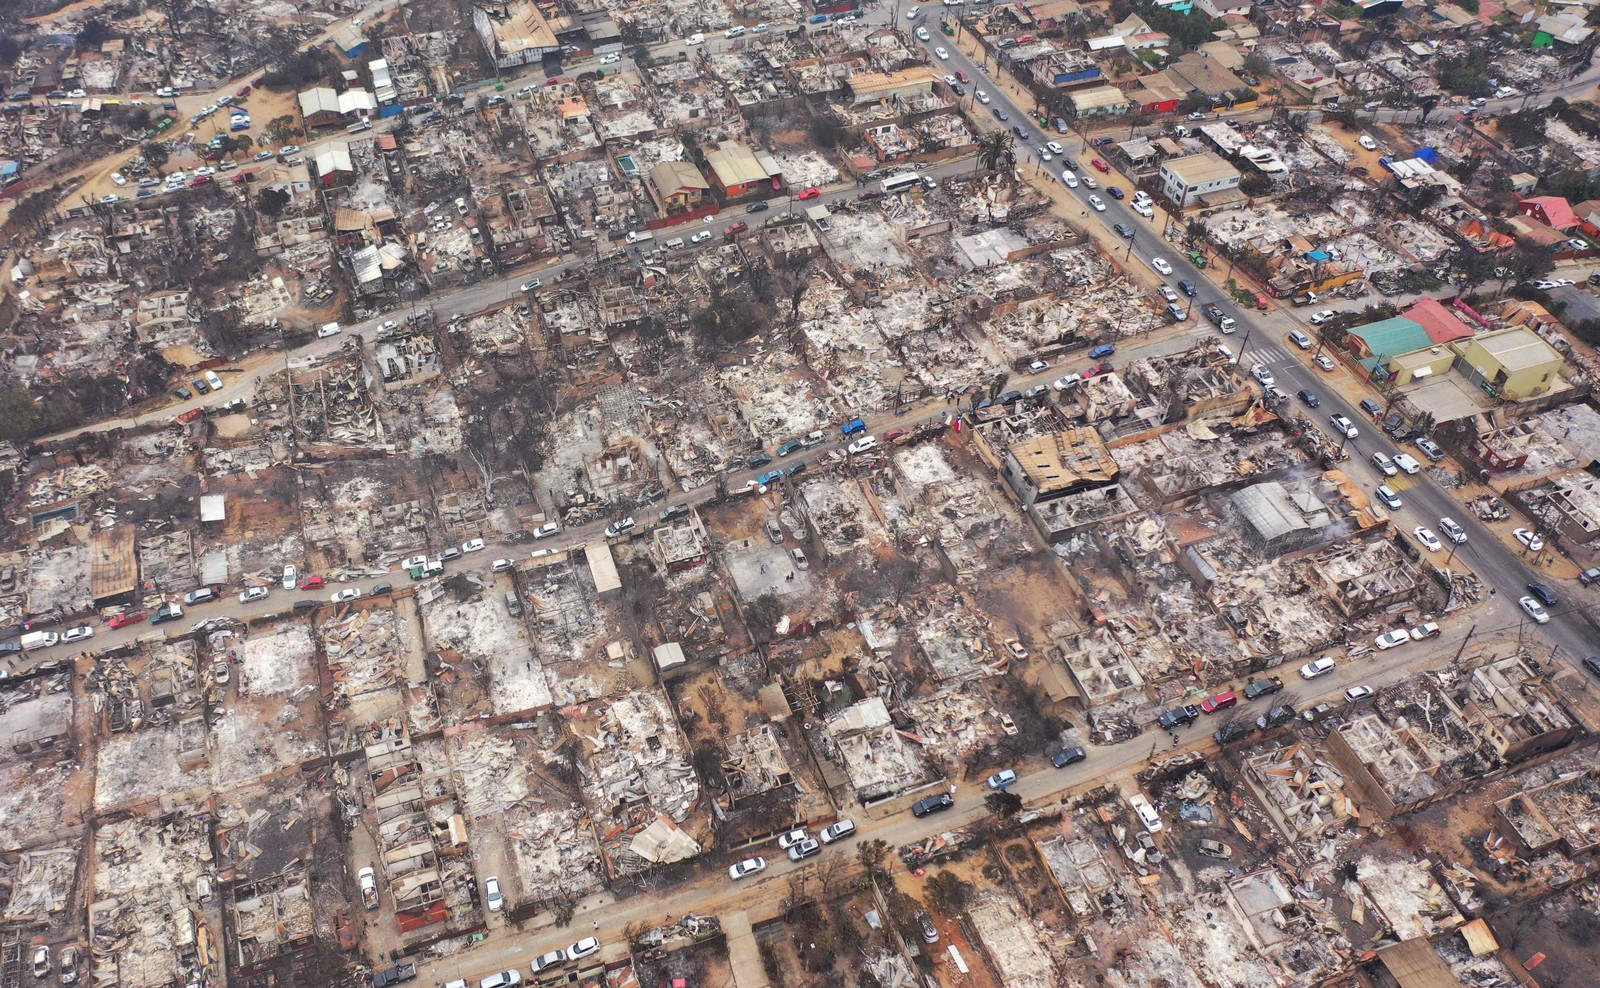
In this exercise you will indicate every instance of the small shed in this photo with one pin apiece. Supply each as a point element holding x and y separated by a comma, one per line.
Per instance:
<point>213,508</point>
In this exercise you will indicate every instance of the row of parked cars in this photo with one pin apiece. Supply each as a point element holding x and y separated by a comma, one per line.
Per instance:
<point>799,844</point>
<point>544,962</point>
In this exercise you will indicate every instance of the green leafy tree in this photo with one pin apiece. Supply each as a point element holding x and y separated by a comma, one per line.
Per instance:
<point>764,613</point>
<point>1195,103</point>
<point>949,892</point>
<point>1524,128</point>
<point>1530,259</point>
<point>872,854</point>
<point>25,417</point>
<point>272,202</point>
<point>1465,73</point>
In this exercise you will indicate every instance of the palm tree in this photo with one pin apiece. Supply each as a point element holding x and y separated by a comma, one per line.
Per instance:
<point>995,151</point>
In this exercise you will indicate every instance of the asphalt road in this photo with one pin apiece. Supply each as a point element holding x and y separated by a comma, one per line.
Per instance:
<point>1262,338</point>
<point>711,891</point>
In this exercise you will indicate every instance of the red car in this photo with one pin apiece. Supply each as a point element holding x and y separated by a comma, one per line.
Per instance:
<point>896,435</point>
<point>962,76</point>
<point>1221,701</point>
<point>1098,369</point>
<point>125,618</point>
<point>202,180</point>
<point>1100,165</point>
<point>311,583</point>
<point>734,229</point>
<point>244,91</point>
<point>1025,39</point>
<point>810,193</point>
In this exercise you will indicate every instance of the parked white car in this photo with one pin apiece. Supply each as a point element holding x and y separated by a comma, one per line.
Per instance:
<point>1316,667</point>
<point>1391,639</point>
<point>746,868</point>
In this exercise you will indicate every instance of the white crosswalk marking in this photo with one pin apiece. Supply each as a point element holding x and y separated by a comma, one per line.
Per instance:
<point>1264,355</point>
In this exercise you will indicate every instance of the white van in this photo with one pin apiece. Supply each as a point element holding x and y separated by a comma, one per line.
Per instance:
<point>1453,531</point>
<point>329,329</point>
<point>674,243</point>
<point>39,639</point>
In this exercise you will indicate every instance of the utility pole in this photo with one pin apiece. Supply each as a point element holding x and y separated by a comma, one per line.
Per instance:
<point>1457,657</point>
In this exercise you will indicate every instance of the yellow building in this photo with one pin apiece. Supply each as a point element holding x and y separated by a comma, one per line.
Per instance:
<point>1515,361</point>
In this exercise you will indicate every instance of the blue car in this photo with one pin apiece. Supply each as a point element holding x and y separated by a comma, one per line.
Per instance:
<point>1103,350</point>
<point>769,477</point>
<point>1114,192</point>
<point>853,426</point>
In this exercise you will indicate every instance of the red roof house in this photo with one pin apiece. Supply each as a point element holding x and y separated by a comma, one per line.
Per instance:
<point>1552,211</point>
<point>1438,322</point>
